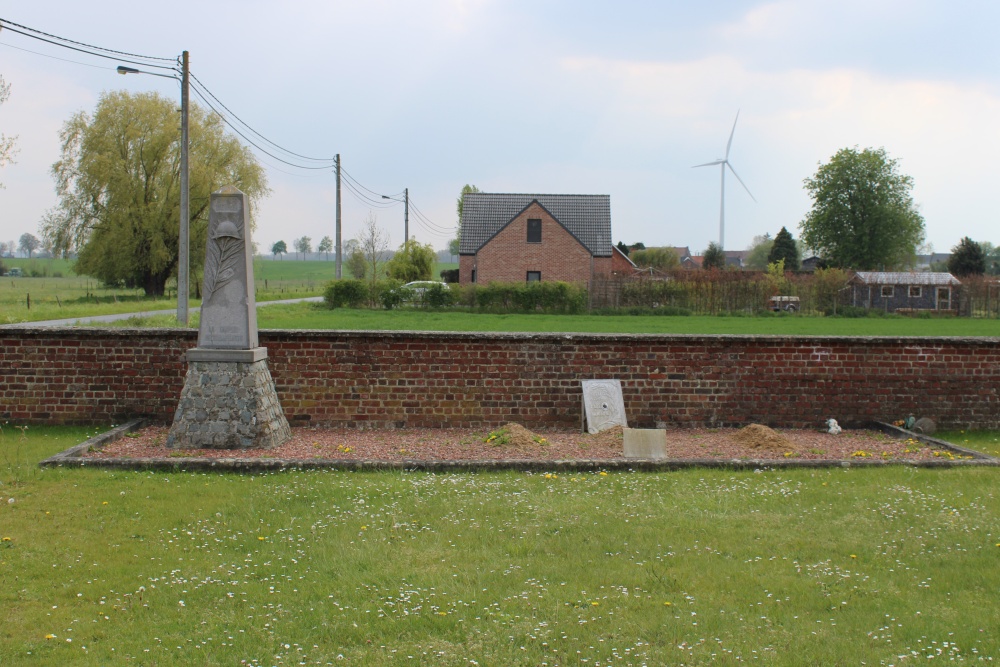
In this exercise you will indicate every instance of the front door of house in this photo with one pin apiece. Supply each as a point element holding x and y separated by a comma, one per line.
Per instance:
<point>944,298</point>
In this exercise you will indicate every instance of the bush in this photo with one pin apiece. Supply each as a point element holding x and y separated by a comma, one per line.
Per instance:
<point>545,297</point>
<point>345,293</point>
<point>389,293</point>
<point>438,296</point>
<point>449,275</point>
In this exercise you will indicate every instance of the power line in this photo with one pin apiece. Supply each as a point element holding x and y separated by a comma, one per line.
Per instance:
<point>246,138</point>
<point>4,22</point>
<point>421,215</point>
<point>90,53</point>
<point>329,161</point>
<point>365,199</point>
<point>45,55</point>
<point>358,183</point>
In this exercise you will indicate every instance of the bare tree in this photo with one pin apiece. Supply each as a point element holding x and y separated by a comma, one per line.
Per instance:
<point>373,243</point>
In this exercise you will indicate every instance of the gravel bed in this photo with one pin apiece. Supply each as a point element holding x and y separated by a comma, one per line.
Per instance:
<point>514,443</point>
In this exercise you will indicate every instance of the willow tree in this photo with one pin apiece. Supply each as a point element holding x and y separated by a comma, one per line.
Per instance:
<point>118,181</point>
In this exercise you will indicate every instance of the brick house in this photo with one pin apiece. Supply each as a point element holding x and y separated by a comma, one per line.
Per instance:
<point>525,237</point>
<point>892,291</point>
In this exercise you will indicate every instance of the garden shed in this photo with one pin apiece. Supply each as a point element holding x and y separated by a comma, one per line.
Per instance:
<point>902,291</point>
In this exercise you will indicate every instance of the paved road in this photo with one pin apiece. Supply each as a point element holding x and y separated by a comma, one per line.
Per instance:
<point>98,319</point>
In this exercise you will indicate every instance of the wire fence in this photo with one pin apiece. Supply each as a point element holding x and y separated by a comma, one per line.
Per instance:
<point>750,292</point>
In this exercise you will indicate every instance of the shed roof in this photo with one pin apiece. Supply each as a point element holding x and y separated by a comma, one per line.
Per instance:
<point>906,278</point>
<point>586,217</point>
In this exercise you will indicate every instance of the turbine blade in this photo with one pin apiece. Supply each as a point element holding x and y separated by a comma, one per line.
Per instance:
<point>709,164</point>
<point>730,144</point>
<point>741,181</point>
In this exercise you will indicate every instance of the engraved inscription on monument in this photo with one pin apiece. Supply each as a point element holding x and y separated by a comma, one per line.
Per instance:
<point>228,311</point>
<point>603,405</point>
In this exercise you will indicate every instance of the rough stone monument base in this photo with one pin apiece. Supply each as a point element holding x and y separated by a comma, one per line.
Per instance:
<point>228,402</point>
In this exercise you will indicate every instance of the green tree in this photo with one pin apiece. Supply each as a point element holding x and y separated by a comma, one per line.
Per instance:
<point>784,248</point>
<point>992,257</point>
<point>8,145</point>
<point>413,261</point>
<point>714,257</point>
<point>118,181</point>
<point>29,243</point>
<point>455,243</point>
<point>967,259</point>
<point>303,245</point>
<point>758,252</point>
<point>661,259</point>
<point>356,264</point>
<point>279,248</point>
<point>325,245</point>
<point>624,248</point>
<point>863,216</point>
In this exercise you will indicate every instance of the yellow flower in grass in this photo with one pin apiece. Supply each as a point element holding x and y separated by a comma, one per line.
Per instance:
<point>6,539</point>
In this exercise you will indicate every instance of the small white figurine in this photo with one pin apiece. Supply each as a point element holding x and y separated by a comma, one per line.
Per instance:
<point>834,427</point>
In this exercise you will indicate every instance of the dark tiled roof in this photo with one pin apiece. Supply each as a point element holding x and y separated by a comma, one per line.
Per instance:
<point>586,217</point>
<point>904,278</point>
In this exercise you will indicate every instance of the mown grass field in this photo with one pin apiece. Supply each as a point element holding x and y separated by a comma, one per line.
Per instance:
<point>317,316</point>
<point>891,566</point>
<point>55,292</point>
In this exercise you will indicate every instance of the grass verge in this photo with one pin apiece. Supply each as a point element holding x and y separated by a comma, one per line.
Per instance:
<point>783,568</point>
<point>317,316</point>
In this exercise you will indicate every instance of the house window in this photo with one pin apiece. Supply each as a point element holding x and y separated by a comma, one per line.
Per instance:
<point>473,275</point>
<point>887,291</point>
<point>534,276</point>
<point>914,291</point>
<point>534,231</point>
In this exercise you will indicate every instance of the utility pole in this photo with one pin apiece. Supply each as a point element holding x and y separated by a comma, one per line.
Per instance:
<point>183,265</point>
<point>336,160</point>
<point>406,215</point>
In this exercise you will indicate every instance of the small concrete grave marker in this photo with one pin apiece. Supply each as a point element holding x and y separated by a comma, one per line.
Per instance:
<point>645,443</point>
<point>603,405</point>
<point>228,400</point>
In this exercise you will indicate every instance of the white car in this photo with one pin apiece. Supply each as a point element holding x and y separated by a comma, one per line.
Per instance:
<point>418,287</point>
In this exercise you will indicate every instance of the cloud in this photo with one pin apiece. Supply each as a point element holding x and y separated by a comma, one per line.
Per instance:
<point>944,132</point>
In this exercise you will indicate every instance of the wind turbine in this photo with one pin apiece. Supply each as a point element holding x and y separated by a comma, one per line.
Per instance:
<point>723,163</point>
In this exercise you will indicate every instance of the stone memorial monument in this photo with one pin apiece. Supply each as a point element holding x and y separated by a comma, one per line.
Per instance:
<point>603,405</point>
<point>228,400</point>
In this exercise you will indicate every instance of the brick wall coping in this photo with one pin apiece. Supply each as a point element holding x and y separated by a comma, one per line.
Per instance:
<point>14,331</point>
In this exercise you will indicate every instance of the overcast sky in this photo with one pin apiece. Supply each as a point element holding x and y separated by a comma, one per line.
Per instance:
<point>617,98</point>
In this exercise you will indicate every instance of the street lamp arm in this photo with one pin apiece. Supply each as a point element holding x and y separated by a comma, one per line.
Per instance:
<point>131,70</point>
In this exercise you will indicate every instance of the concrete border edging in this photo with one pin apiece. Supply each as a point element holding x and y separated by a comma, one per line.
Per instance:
<point>74,457</point>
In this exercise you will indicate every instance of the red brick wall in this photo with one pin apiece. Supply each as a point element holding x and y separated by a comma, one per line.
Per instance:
<point>469,379</point>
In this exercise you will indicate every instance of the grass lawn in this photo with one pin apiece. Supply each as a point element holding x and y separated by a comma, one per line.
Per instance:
<point>316,316</point>
<point>57,293</point>
<point>845,566</point>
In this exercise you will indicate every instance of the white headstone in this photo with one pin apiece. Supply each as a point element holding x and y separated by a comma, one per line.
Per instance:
<point>603,405</point>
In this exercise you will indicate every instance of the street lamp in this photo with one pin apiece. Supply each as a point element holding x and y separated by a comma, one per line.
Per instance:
<point>406,214</point>
<point>183,241</point>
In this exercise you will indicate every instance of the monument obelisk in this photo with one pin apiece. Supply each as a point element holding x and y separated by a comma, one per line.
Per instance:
<point>228,400</point>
